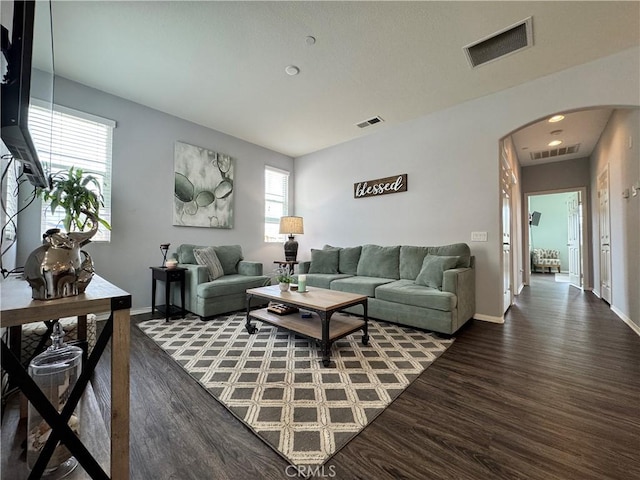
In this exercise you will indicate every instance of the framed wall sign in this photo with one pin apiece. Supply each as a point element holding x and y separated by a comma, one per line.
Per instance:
<point>380,186</point>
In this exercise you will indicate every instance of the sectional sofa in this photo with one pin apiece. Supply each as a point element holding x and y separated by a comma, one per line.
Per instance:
<point>431,288</point>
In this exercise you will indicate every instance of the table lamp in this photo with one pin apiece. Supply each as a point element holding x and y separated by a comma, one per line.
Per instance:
<point>290,226</point>
<point>164,248</point>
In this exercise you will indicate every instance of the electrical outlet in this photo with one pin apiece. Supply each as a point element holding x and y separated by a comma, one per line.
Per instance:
<point>478,236</point>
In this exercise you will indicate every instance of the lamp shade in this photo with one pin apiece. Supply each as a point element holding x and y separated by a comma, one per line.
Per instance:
<point>291,225</point>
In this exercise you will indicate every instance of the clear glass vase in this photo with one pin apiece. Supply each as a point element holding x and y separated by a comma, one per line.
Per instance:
<point>55,371</point>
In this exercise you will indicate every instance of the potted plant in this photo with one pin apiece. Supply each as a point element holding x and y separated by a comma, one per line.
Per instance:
<point>284,276</point>
<point>76,193</point>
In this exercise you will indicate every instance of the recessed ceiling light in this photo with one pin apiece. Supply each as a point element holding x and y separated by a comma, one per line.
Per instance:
<point>555,132</point>
<point>310,40</point>
<point>555,143</point>
<point>556,118</point>
<point>292,70</point>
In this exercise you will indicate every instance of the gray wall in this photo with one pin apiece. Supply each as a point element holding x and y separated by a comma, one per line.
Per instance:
<point>142,191</point>
<point>619,149</point>
<point>556,176</point>
<point>452,160</point>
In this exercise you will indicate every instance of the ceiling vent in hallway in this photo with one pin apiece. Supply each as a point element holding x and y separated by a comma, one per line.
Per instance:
<point>368,123</point>
<point>555,152</point>
<point>507,41</point>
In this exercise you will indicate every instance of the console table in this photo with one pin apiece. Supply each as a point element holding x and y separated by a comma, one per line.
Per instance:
<point>18,308</point>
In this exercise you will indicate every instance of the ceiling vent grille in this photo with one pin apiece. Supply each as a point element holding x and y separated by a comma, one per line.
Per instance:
<point>555,152</point>
<point>368,123</point>
<point>505,42</point>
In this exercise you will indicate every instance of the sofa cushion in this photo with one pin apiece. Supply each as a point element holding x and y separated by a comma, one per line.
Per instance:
<point>377,261</point>
<point>360,285</point>
<point>408,293</point>
<point>207,257</point>
<point>460,250</point>
<point>322,280</point>
<point>411,257</point>
<point>433,268</point>
<point>348,258</point>
<point>229,256</point>
<point>324,261</point>
<point>229,285</point>
<point>185,252</point>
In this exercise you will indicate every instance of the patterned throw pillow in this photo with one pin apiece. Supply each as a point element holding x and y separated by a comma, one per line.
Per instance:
<point>207,257</point>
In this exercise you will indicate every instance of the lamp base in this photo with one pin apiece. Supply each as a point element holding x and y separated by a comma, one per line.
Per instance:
<point>290,249</point>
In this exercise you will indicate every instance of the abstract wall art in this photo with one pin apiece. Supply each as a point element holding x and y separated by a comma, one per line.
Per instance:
<point>203,191</point>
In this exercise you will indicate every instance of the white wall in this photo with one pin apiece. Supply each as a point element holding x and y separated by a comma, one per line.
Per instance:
<point>452,161</point>
<point>142,193</point>
<point>619,148</point>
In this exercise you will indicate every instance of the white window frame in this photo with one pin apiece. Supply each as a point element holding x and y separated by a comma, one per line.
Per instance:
<point>60,149</point>
<point>273,197</point>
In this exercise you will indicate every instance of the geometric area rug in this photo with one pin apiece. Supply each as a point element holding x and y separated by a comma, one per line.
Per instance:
<point>275,383</point>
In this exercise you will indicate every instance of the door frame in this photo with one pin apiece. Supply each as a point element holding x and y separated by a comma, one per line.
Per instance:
<point>586,245</point>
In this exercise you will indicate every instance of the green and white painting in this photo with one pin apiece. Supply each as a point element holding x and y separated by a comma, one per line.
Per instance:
<point>203,192</point>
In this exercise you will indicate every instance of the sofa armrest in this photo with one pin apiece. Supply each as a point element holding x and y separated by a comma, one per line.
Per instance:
<point>303,267</point>
<point>248,268</point>
<point>194,276</point>
<point>462,283</point>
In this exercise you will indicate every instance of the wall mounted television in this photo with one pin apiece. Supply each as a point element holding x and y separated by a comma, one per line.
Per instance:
<point>17,54</point>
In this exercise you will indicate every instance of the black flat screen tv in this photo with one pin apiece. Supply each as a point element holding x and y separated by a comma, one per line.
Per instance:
<point>17,53</point>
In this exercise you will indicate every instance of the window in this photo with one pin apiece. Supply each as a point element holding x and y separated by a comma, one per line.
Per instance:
<point>73,138</point>
<point>276,202</point>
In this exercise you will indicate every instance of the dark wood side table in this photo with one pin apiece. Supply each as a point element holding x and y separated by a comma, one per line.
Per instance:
<point>289,263</point>
<point>168,276</point>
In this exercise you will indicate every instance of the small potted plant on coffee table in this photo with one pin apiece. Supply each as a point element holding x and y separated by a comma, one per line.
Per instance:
<point>284,276</point>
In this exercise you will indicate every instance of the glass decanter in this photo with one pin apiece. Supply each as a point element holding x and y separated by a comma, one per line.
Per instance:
<point>55,371</point>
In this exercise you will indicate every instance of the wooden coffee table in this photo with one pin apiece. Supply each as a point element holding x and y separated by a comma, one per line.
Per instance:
<point>326,324</point>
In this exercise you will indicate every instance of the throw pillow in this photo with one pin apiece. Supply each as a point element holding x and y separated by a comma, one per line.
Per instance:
<point>207,257</point>
<point>349,258</point>
<point>377,261</point>
<point>229,256</point>
<point>433,268</point>
<point>324,261</point>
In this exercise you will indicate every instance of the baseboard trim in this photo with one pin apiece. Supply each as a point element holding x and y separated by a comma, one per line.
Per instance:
<point>596,292</point>
<point>135,311</point>
<point>626,320</point>
<point>488,318</point>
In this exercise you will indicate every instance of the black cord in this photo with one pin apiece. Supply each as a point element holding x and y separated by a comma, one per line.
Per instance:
<point>11,218</point>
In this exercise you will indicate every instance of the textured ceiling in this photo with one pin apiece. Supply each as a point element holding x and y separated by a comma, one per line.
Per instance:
<point>221,64</point>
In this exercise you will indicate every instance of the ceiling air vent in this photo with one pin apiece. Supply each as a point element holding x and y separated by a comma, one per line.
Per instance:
<point>509,40</point>
<point>555,152</point>
<point>371,121</point>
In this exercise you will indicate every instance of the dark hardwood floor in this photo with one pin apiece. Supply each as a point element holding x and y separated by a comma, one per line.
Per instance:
<point>554,393</point>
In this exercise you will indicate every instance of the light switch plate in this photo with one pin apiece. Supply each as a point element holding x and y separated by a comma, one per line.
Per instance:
<point>478,236</point>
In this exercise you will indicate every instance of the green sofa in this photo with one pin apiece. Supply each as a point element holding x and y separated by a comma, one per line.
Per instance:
<point>225,294</point>
<point>431,288</point>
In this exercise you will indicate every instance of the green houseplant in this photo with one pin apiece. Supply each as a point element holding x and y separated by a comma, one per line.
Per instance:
<point>76,193</point>
<point>284,276</point>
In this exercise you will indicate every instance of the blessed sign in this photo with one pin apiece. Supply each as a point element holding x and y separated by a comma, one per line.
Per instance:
<point>380,186</point>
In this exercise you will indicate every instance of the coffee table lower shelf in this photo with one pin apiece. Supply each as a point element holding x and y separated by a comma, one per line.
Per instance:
<point>340,326</point>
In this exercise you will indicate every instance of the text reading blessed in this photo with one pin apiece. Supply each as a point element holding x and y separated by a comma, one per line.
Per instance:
<point>381,186</point>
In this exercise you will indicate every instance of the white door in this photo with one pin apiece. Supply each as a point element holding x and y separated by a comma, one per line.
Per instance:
<point>605,241</point>
<point>574,240</point>
<point>506,250</point>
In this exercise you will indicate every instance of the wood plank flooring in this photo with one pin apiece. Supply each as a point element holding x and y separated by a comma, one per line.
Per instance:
<point>554,393</point>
